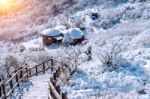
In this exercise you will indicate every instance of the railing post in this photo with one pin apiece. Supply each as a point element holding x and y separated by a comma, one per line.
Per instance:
<point>29,72</point>
<point>58,88</point>
<point>54,84</point>
<point>43,68</point>
<point>52,63</point>
<point>36,70</point>
<point>55,76</point>
<point>0,87</point>
<point>64,96</point>
<point>3,91</point>
<point>11,83</point>
<point>21,73</point>
<point>51,93</point>
<point>17,78</point>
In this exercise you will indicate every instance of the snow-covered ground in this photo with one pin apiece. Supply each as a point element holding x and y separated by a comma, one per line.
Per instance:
<point>39,88</point>
<point>127,23</point>
<point>128,82</point>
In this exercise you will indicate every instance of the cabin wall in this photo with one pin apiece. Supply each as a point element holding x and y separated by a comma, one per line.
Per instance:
<point>48,40</point>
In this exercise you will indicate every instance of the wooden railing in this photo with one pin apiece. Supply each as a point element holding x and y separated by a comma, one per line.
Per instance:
<point>55,91</point>
<point>8,87</point>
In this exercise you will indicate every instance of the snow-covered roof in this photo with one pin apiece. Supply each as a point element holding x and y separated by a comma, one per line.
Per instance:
<point>75,33</point>
<point>51,32</point>
<point>94,11</point>
<point>61,27</point>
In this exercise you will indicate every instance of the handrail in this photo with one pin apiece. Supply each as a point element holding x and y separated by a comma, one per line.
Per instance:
<point>40,71</point>
<point>15,86</point>
<point>14,75</point>
<point>19,76</point>
<point>28,73</point>
<point>46,62</point>
<point>54,91</point>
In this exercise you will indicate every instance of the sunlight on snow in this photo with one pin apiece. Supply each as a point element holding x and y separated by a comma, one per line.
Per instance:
<point>7,6</point>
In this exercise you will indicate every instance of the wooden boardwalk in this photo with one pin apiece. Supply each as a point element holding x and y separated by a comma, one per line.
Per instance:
<point>41,82</point>
<point>39,88</point>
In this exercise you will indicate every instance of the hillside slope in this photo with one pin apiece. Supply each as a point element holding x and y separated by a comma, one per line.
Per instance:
<point>120,35</point>
<point>30,18</point>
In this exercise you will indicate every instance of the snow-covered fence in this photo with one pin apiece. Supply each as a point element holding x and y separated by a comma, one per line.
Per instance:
<point>7,87</point>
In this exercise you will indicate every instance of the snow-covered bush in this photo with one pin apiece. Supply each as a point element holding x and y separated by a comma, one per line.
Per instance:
<point>69,59</point>
<point>142,39</point>
<point>108,20</point>
<point>9,65</point>
<point>110,54</point>
<point>133,14</point>
<point>36,57</point>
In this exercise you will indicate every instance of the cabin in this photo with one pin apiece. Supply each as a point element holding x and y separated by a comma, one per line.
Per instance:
<point>52,36</point>
<point>74,36</point>
<point>94,14</point>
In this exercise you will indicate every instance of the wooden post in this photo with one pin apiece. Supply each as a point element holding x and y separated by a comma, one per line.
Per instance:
<point>0,87</point>
<point>51,93</point>
<point>58,72</point>
<point>3,91</point>
<point>11,83</point>
<point>64,96</point>
<point>54,83</point>
<point>29,72</point>
<point>21,73</point>
<point>58,88</point>
<point>43,68</point>
<point>55,76</point>
<point>52,64</point>
<point>36,70</point>
<point>17,77</point>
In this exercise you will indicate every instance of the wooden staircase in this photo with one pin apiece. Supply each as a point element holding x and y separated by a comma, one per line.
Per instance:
<point>23,75</point>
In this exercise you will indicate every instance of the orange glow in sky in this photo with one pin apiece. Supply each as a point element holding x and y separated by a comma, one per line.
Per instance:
<point>6,6</point>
